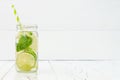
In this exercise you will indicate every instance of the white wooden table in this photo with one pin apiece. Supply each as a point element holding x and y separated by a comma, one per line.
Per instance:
<point>64,70</point>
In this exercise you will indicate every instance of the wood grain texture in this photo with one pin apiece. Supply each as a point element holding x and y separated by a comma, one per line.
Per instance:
<point>64,70</point>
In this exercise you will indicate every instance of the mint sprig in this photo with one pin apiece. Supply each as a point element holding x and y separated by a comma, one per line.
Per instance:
<point>24,42</point>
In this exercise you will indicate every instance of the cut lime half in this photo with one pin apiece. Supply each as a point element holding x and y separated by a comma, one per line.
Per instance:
<point>25,61</point>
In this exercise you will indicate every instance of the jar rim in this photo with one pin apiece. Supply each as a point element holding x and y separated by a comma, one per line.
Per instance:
<point>27,25</point>
<point>31,27</point>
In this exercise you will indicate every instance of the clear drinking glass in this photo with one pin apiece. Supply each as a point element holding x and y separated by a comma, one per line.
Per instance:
<point>27,48</point>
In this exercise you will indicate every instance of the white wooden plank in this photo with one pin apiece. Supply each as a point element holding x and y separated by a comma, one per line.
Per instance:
<point>66,70</point>
<point>93,70</point>
<point>116,70</point>
<point>2,63</point>
<point>4,69</point>
<point>78,71</point>
<point>78,13</point>
<point>14,75</point>
<point>84,44</point>
<point>83,70</point>
<point>76,44</point>
<point>63,70</point>
<point>44,73</point>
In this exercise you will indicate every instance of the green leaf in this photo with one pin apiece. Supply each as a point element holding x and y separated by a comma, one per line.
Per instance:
<point>24,42</point>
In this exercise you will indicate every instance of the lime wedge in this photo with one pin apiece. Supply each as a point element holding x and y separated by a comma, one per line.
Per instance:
<point>25,61</point>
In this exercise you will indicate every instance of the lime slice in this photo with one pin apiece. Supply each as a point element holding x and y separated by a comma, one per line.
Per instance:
<point>31,51</point>
<point>25,61</point>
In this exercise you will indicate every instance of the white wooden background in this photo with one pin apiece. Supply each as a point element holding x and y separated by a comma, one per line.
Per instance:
<point>68,29</point>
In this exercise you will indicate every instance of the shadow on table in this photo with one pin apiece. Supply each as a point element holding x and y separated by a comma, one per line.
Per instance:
<point>26,76</point>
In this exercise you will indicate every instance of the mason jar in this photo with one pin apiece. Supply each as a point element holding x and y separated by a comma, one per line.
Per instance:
<point>27,48</point>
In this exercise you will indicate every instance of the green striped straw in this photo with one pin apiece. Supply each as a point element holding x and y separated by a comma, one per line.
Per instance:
<point>17,17</point>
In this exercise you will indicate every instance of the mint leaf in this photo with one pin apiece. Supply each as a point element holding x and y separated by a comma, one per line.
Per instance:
<point>24,42</point>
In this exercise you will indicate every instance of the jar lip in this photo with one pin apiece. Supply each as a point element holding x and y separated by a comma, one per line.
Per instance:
<point>27,27</point>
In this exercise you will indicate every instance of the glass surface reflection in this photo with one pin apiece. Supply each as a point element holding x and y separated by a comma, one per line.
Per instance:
<point>26,76</point>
